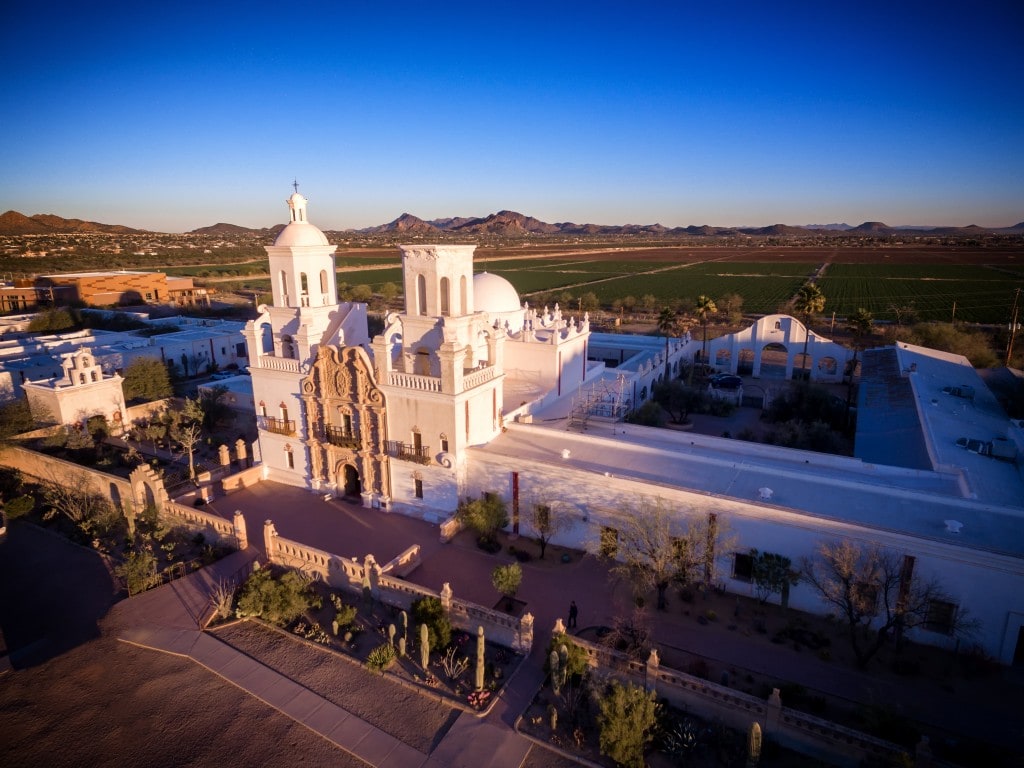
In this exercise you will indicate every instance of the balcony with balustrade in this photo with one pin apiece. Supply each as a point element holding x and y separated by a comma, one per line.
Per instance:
<point>406,452</point>
<point>277,426</point>
<point>337,436</point>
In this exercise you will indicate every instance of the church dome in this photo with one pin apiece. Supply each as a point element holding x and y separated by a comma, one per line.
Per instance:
<point>300,233</point>
<point>494,294</point>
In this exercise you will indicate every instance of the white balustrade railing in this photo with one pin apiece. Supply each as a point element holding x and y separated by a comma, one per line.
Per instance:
<point>476,378</point>
<point>414,381</point>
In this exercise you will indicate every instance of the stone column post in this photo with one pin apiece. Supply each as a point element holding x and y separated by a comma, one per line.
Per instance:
<point>559,627</point>
<point>269,533</point>
<point>242,452</point>
<point>774,715</point>
<point>446,598</point>
<point>653,664</point>
<point>525,641</point>
<point>223,455</point>
<point>240,533</point>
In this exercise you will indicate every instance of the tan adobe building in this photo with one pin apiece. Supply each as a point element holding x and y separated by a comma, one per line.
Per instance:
<point>110,288</point>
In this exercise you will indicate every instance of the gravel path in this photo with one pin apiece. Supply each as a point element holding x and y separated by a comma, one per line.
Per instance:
<point>405,714</point>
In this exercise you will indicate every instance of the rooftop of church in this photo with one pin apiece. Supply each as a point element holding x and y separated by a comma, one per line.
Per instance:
<point>914,502</point>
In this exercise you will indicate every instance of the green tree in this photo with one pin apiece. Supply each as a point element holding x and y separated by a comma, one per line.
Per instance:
<point>138,571</point>
<point>506,579</point>
<point>702,310</point>
<point>732,305</point>
<point>486,516</point>
<point>145,380</point>
<point>667,326</point>
<point>589,302</point>
<point>648,302</point>
<point>362,293</point>
<point>946,337</point>
<point>627,721</point>
<point>772,575</point>
<point>388,292</point>
<point>808,302</point>
<point>15,418</point>
<point>52,321</point>
<point>278,600</point>
<point>213,404</point>
<point>678,400</point>
<point>429,612</point>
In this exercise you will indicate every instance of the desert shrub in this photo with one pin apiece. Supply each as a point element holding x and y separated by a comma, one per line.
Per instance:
<point>138,571</point>
<point>380,658</point>
<point>627,720</point>
<point>429,611</point>
<point>278,600</point>
<point>19,507</point>
<point>485,515</point>
<point>576,663</point>
<point>648,415</point>
<point>345,616</point>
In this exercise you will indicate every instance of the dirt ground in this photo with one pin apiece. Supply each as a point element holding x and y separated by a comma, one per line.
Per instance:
<point>375,699</point>
<point>77,696</point>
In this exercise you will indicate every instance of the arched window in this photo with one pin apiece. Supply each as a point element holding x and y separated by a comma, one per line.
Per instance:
<point>445,296</point>
<point>422,362</point>
<point>421,294</point>
<point>287,347</point>
<point>323,281</point>
<point>284,284</point>
<point>463,298</point>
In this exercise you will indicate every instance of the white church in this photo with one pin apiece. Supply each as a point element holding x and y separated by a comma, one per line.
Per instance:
<point>469,390</point>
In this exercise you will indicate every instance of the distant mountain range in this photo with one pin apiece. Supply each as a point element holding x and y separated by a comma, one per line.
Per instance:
<point>509,224</point>
<point>14,223</point>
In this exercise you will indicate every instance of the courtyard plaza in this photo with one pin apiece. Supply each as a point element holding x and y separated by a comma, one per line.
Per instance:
<point>548,586</point>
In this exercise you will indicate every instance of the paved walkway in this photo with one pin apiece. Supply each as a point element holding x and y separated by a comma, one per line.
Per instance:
<point>167,619</point>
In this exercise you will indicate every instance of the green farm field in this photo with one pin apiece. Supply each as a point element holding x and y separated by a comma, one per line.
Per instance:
<point>981,281</point>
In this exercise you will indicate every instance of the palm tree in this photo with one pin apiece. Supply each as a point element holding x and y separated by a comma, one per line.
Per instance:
<point>667,326</point>
<point>859,324</point>
<point>705,306</point>
<point>809,301</point>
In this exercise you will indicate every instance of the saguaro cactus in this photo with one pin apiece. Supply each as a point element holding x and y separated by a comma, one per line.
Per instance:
<point>401,647</point>
<point>404,621</point>
<point>480,646</point>
<point>753,744</point>
<point>424,646</point>
<point>391,635</point>
<point>556,678</point>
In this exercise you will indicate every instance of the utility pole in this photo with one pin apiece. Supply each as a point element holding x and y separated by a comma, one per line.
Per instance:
<point>1013,328</point>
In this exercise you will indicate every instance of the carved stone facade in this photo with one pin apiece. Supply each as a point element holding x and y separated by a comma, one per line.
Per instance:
<point>346,424</point>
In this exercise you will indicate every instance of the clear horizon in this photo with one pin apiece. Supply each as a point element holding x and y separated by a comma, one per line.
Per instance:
<point>175,118</point>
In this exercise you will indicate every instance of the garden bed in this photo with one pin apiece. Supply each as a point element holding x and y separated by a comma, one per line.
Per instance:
<point>366,633</point>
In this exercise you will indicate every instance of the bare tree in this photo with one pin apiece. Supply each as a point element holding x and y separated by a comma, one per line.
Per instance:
<point>655,549</point>
<point>875,591</point>
<point>187,429</point>
<point>546,520</point>
<point>72,495</point>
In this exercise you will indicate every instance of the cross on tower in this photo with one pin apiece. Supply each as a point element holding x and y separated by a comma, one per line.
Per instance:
<point>295,184</point>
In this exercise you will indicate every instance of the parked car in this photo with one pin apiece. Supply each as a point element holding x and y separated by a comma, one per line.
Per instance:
<point>223,375</point>
<point>726,381</point>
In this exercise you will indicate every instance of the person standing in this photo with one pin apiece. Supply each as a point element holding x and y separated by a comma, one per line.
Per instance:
<point>573,613</point>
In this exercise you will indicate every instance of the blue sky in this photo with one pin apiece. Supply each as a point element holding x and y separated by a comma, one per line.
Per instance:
<point>173,116</point>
